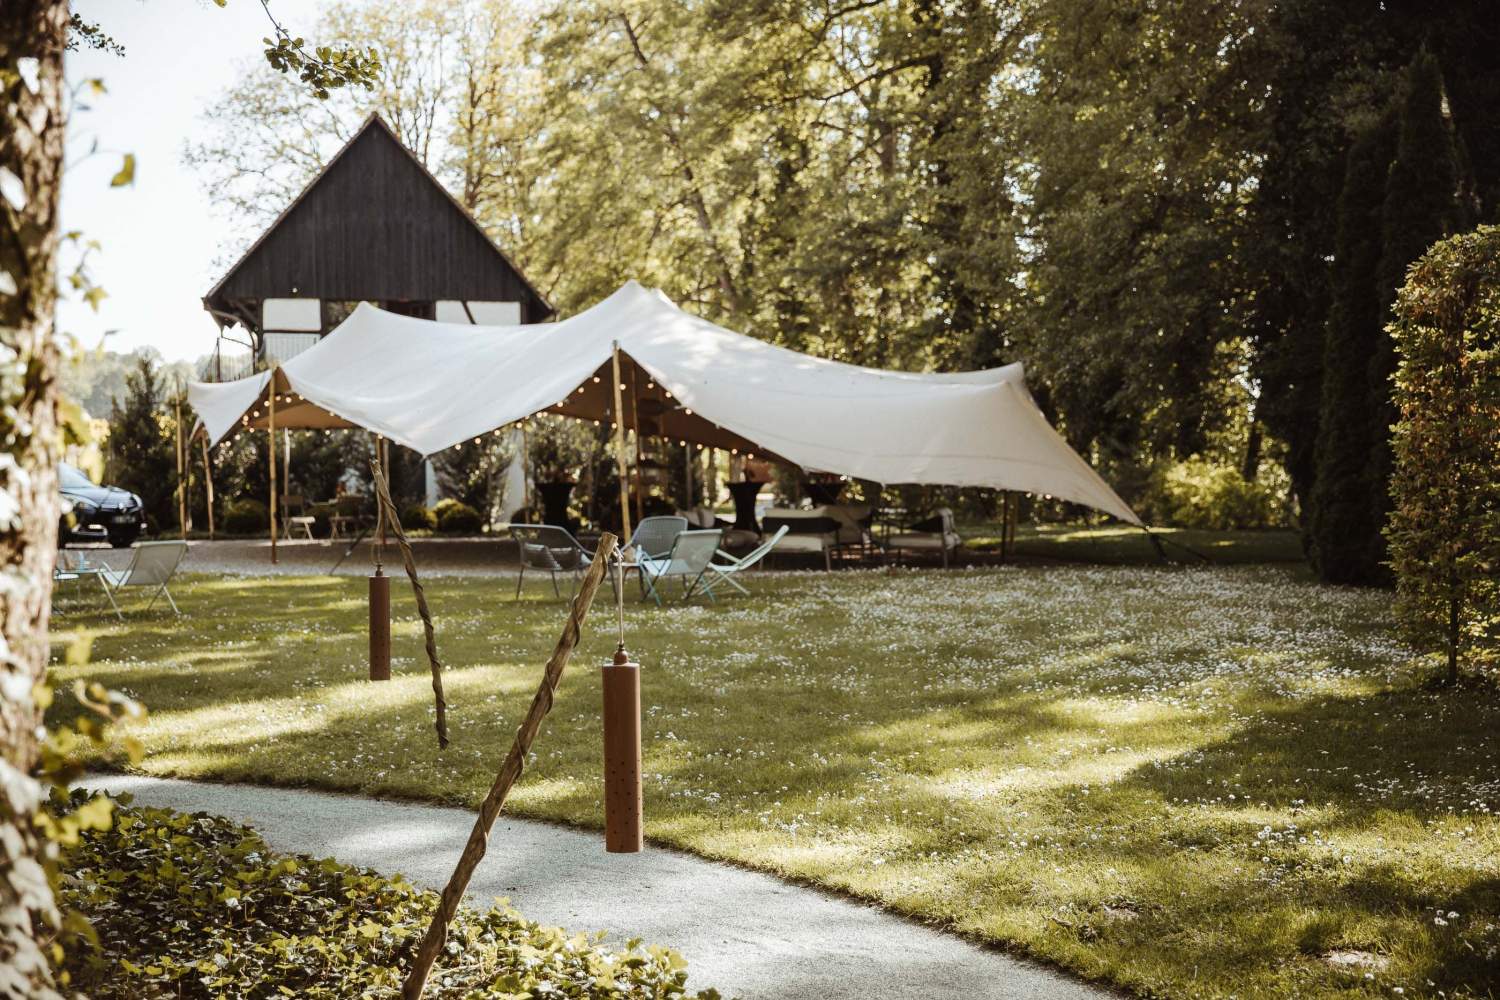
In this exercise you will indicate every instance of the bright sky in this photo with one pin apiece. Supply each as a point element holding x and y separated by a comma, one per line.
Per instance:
<point>159,237</point>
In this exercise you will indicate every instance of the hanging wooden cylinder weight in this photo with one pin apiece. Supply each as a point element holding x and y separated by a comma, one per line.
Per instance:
<point>380,627</point>
<point>622,755</point>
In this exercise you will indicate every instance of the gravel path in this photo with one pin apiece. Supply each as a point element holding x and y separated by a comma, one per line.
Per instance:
<point>481,557</point>
<point>750,935</point>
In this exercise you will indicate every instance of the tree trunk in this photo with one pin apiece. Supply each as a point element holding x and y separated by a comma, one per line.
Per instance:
<point>32,36</point>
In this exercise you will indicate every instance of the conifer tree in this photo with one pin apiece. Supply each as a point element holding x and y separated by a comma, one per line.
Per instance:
<point>1422,205</point>
<point>1341,515</point>
<point>140,448</point>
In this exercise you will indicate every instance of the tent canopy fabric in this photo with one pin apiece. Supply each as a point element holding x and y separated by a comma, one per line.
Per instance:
<point>429,386</point>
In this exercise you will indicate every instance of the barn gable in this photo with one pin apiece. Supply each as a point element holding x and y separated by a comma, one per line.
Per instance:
<point>374,225</point>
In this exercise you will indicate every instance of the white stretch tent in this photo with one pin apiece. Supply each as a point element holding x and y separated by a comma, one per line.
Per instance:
<point>429,386</point>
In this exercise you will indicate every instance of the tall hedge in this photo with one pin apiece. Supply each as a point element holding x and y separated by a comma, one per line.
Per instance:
<point>1340,515</point>
<point>1444,527</point>
<point>1423,204</point>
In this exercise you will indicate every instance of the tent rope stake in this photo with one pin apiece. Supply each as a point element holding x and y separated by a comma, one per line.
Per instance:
<point>510,771</point>
<point>383,495</point>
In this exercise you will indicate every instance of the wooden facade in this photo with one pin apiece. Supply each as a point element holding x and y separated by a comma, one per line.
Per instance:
<point>375,226</point>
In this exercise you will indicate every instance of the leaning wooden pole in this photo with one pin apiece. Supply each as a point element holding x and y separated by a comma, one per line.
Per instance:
<point>383,497</point>
<point>510,771</point>
<point>620,461</point>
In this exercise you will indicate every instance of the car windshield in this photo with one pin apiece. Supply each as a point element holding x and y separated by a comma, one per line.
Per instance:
<point>71,479</point>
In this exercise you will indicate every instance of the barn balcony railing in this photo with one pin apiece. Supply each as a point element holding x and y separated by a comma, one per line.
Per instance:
<point>226,366</point>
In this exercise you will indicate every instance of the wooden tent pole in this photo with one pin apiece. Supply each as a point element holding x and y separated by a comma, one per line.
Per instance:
<point>620,462</point>
<point>181,467</point>
<point>271,440</point>
<point>208,483</point>
<point>635,431</point>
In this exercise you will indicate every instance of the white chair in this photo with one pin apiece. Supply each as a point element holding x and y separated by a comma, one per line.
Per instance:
<point>725,572</point>
<point>295,517</point>
<point>151,565</point>
<point>688,560</point>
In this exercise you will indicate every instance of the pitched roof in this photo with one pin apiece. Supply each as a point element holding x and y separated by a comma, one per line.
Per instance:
<point>376,224</point>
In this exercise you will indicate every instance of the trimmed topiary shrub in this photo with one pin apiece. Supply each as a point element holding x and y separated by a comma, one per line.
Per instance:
<point>1444,527</point>
<point>1197,493</point>
<point>199,906</point>
<point>415,517</point>
<point>454,517</point>
<point>246,517</point>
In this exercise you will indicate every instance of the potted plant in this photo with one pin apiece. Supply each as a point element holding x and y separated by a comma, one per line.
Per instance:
<point>557,448</point>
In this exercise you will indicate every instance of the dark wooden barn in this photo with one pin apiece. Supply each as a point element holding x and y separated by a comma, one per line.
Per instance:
<point>374,225</point>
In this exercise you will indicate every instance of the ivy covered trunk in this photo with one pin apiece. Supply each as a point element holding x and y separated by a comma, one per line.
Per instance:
<point>32,37</point>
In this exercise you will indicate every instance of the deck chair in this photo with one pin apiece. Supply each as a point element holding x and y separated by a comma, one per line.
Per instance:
<point>724,572</point>
<point>151,565</point>
<point>551,549</point>
<point>687,560</point>
<point>652,539</point>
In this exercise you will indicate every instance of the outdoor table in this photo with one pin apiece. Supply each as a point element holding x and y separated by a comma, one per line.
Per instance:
<point>744,494</point>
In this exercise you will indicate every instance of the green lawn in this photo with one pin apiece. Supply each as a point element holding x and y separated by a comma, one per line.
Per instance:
<point>1116,543</point>
<point>1188,782</point>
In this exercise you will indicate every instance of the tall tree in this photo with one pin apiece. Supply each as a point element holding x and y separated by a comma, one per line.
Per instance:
<point>141,450</point>
<point>33,37</point>
<point>33,34</point>
<point>1340,511</point>
<point>1139,127</point>
<point>1424,202</point>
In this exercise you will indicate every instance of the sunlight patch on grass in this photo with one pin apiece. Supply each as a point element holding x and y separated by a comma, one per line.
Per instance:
<point>1191,782</point>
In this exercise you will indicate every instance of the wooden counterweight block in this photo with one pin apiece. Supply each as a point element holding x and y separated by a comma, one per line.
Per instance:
<point>380,627</point>
<point>622,755</point>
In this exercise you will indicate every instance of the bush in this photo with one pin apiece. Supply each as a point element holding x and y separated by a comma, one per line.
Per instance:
<point>246,517</point>
<point>198,906</point>
<point>454,517</point>
<point>418,518</point>
<point>1197,493</point>
<point>1444,527</point>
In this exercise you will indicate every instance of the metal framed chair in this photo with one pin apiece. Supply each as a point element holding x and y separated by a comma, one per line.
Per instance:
<point>551,549</point>
<point>654,535</point>
<point>652,539</point>
<point>725,572</point>
<point>688,560</point>
<point>151,565</point>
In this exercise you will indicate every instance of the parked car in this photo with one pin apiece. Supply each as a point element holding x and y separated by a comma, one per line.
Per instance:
<point>97,513</point>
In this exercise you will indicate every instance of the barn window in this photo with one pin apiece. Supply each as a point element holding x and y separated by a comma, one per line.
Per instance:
<point>484,313</point>
<point>292,314</point>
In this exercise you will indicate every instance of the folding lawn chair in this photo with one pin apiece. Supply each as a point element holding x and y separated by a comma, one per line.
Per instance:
<point>151,565</point>
<point>687,560</point>
<point>725,572</point>
<point>551,549</point>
